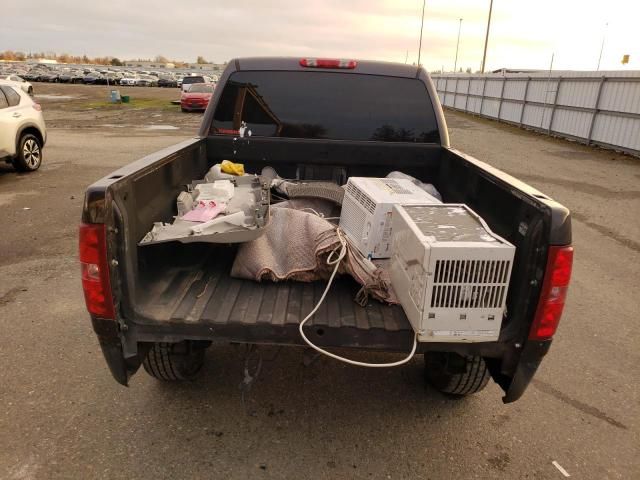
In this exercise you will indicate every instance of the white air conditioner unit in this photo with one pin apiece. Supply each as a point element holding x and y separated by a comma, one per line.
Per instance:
<point>450,272</point>
<point>367,209</point>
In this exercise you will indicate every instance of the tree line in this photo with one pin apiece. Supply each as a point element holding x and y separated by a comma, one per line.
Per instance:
<point>17,56</point>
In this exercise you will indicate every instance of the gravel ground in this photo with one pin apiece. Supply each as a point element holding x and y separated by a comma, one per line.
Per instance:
<point>63,415</point>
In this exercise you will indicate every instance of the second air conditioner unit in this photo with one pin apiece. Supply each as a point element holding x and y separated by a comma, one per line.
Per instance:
<point>367,210</point>
<point>450,272</point>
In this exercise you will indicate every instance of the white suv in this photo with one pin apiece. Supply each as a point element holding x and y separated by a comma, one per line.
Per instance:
<point>22,83</point>
<point>22,129</point>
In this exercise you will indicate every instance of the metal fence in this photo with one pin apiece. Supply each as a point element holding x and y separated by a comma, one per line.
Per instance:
<point>601,108</point>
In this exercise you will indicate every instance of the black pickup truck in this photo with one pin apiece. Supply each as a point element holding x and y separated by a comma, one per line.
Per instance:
<point>161,306</point>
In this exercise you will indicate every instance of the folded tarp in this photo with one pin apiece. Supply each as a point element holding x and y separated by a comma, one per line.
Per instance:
<point>295,246</point>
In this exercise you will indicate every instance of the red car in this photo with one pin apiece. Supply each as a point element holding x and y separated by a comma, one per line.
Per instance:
<point>197,97</point>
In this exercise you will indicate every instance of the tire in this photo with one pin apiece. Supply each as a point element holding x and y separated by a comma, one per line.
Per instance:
<point>29,156</point>
<point>174,362</point>
<point>456,375</point>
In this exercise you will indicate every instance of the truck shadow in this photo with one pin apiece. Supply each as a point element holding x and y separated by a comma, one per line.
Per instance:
<point>345,417</point>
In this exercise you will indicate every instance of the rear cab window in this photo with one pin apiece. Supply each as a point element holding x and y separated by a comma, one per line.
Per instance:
<point>13,98</point>
<point>3,100</point>
<point>201,88</point>
<point>327,105</point>
<point>194,79</point>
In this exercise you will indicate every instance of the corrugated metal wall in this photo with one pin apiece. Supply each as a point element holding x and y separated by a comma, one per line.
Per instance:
<point>600,108</point>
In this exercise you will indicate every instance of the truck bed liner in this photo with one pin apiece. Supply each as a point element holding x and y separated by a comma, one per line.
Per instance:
<point>204,296</point>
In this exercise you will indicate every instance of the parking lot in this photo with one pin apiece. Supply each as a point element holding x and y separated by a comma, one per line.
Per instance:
<point>65,417</point>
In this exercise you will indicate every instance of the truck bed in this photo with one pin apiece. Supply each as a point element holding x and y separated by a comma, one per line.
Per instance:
<point>161,288</point>
<point>197,292</point>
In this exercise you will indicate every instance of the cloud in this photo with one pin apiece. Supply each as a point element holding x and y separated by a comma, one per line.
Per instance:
<point>524,33</point>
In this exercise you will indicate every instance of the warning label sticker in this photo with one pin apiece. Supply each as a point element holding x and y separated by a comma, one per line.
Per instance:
<point>464,333</point>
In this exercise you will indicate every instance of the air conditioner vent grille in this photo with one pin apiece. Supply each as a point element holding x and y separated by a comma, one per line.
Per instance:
<point>470,283</point>
<point>353,219</point>
<point>396,188</point>
<point>360,197</point>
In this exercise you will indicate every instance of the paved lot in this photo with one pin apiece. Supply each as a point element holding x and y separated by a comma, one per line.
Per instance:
<point>64,417</point>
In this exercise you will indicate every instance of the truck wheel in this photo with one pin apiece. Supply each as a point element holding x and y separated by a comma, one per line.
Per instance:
<point>29,156</point>
<point>455,374</point>
<point>171,362</point>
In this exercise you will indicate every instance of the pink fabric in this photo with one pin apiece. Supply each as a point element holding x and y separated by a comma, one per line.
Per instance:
<point>204,211</point>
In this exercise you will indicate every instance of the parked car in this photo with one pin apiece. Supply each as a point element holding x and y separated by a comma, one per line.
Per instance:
<point>146,81</point>
<point>128,80</point>
<point>22,129</point>
<point>65,77</point>
<point>197,98</point>
<point>30,76</point>
<point>92,78</point>
<point>162,307</point>
<point>191,79</point>
<point>24,85</point>
<point>77,77</point>
<point>49,77</point>
<point>110,78</point>
<point>167,82</point>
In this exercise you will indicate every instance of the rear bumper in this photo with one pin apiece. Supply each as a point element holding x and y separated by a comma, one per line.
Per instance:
<point>124,352</point>
<point>193,108</point>
<point>530,359</point>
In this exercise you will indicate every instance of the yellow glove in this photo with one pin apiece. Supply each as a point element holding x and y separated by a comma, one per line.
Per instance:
<point>232,168</point>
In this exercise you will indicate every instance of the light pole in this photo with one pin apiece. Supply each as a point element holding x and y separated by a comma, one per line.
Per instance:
<point>421,26</point>
<point>455,63</point>
<point>604,35</point>
<point>486,38</point>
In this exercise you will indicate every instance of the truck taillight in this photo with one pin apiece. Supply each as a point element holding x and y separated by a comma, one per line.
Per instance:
<point>95,270</point>
<point>554,293</point>
<point>328,63</point>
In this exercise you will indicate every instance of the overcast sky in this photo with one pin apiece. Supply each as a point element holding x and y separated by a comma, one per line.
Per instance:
<point>524,33</point>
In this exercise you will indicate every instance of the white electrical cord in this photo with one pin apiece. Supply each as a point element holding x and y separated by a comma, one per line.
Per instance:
<point>336,262</point>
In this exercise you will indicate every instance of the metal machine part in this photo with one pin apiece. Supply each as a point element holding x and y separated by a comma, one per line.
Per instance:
<point>367,210</point>
<point>450,272</point>
<point>325,190</point>
<point>246,215</point>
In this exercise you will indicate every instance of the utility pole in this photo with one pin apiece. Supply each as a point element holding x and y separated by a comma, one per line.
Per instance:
<point>604,35</point>
<point>455,63</point>
<point>424,2</point>
<point>486,38</point>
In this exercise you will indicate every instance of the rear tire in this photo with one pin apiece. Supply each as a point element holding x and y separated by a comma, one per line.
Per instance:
<point>174,362</point>
<point>29,156</point>
<point>454,374</point>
